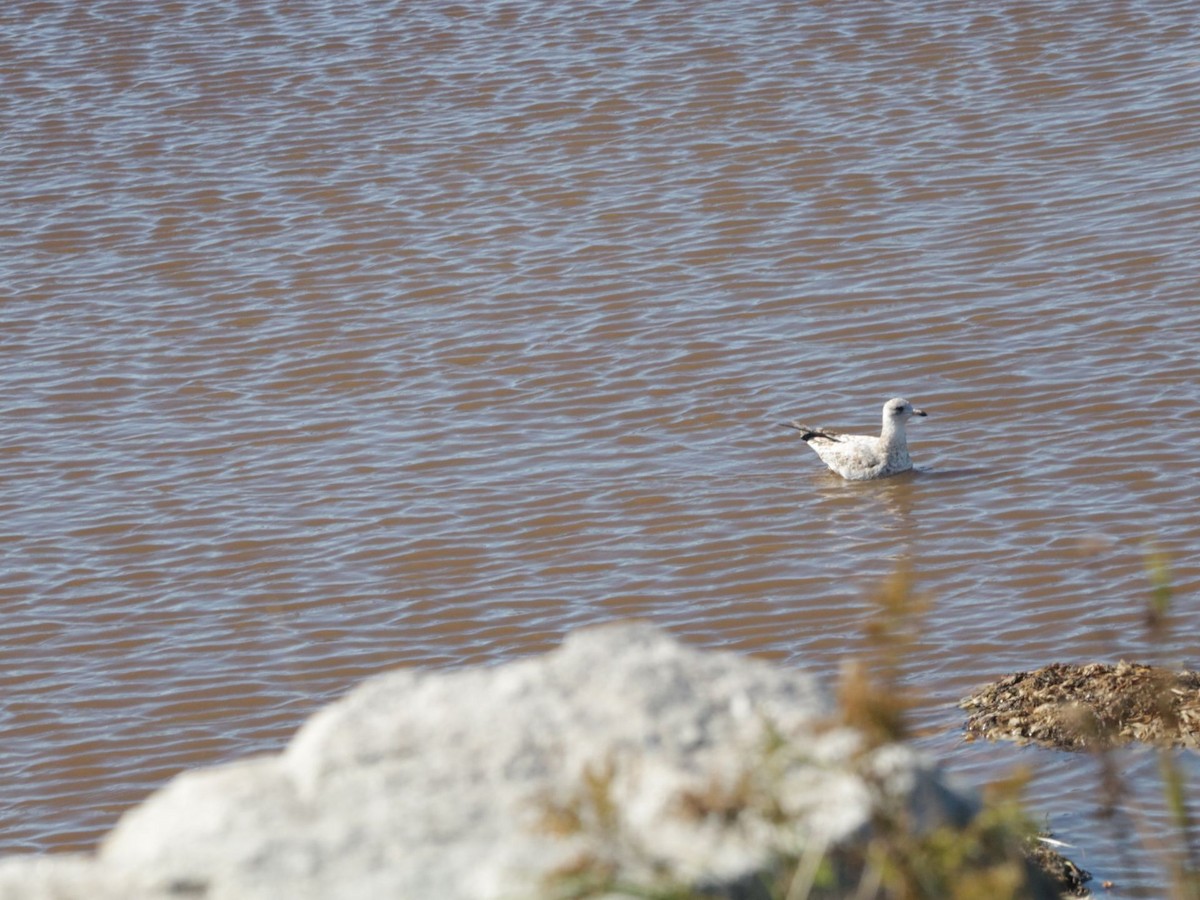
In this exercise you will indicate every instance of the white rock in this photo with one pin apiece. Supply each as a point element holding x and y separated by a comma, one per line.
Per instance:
<point>441,785</point>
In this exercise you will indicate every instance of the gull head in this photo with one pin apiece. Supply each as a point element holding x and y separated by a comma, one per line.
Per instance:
<point>898,411</point>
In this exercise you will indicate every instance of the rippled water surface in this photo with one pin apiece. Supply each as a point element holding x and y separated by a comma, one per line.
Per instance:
<point>337,337</point>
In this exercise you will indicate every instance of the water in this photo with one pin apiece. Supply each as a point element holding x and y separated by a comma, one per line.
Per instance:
<point>342,337</point>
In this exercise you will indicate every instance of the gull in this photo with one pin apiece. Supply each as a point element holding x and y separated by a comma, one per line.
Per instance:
<point>860,457</point>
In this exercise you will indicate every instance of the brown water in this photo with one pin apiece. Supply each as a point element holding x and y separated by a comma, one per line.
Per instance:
<point>337,337</point>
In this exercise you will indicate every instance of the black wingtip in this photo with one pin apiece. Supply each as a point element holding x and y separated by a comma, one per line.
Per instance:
<point>806,432</point>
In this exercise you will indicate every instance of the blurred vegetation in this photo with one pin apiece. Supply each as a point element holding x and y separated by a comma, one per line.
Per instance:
<point>994,856</point>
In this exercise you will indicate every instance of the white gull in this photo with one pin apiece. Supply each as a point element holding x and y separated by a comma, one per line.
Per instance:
<point>861,457</point>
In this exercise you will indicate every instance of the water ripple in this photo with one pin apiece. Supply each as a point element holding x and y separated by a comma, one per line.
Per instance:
<point>339,338</point>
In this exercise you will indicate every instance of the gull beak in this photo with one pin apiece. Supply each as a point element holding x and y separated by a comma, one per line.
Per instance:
<point>919,412</point>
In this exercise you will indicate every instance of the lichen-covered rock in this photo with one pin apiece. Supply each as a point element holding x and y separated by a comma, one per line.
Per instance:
<point>624,756</point>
